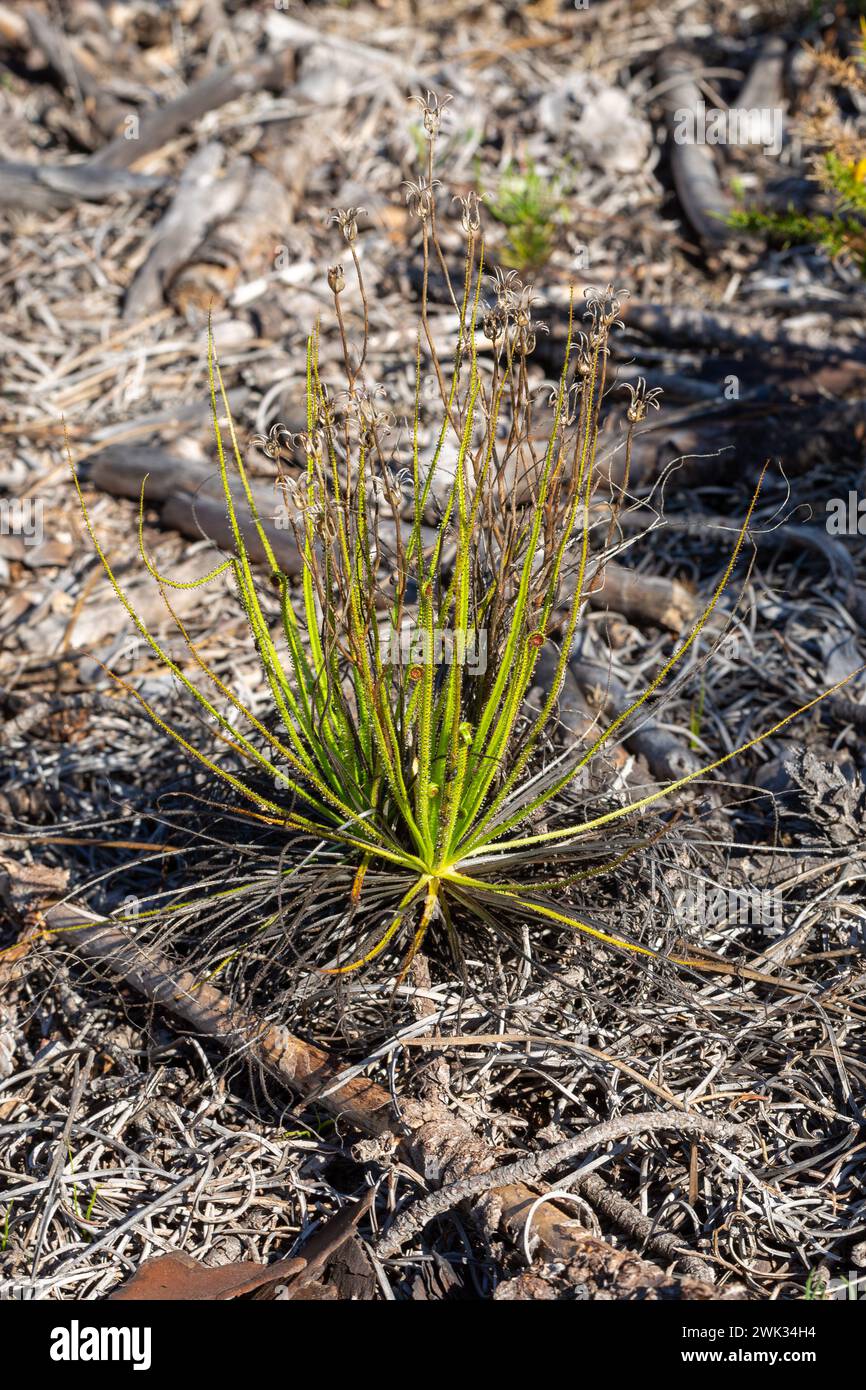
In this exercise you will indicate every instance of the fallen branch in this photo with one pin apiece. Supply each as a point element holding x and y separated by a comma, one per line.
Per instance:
<point>191,499</point>
<point>441,1146</point>
<point>534,1166</point>
<point>105,112</point>
<point>679,325</point>
<point>106,173</point>
<point>627,1218</point>
<point>666,755</point>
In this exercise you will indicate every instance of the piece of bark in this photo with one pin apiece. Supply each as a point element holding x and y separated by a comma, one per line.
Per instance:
<point>441,1146</point>
<point>190,412</point>
<point>846,711</point>
<point>239,249</point>
<point>203,515</point>
<point>351,1274</point>
<point>178,1277</point>
<point>271,72</point>
<point>204,196</point>
<point>695,175</point>
<point>615,1274</point>
<point>323,1245</point>
<point>593,1266</point>
<point>120,470</point>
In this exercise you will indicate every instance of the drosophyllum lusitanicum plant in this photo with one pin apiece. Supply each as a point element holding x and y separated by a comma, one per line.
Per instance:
<point>416,786</point>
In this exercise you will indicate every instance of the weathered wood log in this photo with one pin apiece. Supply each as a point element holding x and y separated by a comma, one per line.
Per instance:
<point>665,754</point>
<point>763,87</point>
<point>156,421</point>
<point>205,195</point>
<point>106,173</point>
<point>682,325</point>
<point>204,514</point>
<point>652,598</point>
<point>191,499</point>
<point>594,1266</point>
<point>238,249</point>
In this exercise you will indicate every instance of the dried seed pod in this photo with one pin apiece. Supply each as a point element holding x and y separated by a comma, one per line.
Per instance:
<point>603,307</point>
<point>432,110</point>
<point>347,218</point>
<point>421,198</point>
<point>470,214</point>
<point>274,442</point>
<point>641,400</point>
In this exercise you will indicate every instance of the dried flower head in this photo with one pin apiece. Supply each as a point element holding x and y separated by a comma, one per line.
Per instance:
<point>493,324</point>
<point>336,279</point>
<point>570,402</point>
<point>526,330</point>
<point>347,218</point>
<point>300,497</point>
<point>507,289</point>
<point>470,210</point>
<point>641,399</point>
<point>309,444</point>
<point>326,526</point>
<point>583,355</point>
<point>432,109</point>
<point>420,198</point>
<point>603,308</point>
<point>274,442</point>
<point>373,420</point>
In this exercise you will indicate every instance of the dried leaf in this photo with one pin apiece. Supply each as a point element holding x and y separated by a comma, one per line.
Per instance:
<point>180,1277</point>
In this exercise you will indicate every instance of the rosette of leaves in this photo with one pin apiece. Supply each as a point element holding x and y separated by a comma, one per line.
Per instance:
<point>411,793</point>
